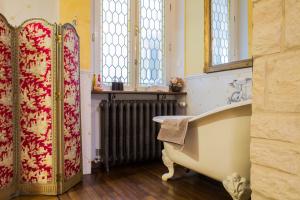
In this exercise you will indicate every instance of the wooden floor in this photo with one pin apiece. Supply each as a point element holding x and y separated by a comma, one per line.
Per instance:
<point>142,182</point>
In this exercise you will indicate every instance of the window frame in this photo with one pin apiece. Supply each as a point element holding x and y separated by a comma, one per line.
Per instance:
<point>134,50</point>
<point>208,66</point>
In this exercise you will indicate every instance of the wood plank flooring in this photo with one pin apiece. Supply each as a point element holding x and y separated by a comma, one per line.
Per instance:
<point>142,182</point>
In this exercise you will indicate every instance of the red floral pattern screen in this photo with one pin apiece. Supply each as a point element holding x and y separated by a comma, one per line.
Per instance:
<point>72,140</point>
<point>6,105</point>
<point>36,108</point>
<point>35,69</point>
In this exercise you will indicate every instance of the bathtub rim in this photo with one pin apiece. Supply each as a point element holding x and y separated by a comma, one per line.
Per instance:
<point>193,118</point>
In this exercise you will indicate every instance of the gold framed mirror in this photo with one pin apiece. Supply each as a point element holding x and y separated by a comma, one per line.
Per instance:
<point>227,34</point>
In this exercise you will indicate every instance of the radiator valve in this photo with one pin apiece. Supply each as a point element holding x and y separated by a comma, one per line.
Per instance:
<point>182,104</point>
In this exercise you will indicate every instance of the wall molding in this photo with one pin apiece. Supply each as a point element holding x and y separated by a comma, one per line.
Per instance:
<point>217,74</point>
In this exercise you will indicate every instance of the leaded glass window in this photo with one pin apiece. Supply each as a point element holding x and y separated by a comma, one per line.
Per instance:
<point>220,31</point>
<point>151,42</point>
<point>115,40</point>
<point>132,42</point>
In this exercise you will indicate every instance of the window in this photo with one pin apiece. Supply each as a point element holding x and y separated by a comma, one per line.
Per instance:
<point>151,42</point>
<point>130,47</point>
<point>220,31</point>
<point>226,35</point>
<point>115,40</point>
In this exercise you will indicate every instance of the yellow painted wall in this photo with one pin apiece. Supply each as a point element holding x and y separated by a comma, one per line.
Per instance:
<point>194,37</point>
<point>79,10</point>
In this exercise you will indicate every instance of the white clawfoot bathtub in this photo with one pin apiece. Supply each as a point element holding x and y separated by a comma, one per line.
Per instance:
<point>217,145</point>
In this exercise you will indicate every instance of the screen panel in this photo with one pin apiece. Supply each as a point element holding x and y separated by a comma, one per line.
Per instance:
<point>36,60</point>
<point>71,103</point>
<point>6,105</point>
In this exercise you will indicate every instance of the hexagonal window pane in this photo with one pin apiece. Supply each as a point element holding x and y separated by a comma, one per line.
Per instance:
<point>118,29</point>
<point>118,72</point>
<point>105,71</point>
<point>107,16</point>
<point>118,7</point>
<point>118,50</point>
<point>122,62</point>
<point>112,6</point>
<point>112,50</point>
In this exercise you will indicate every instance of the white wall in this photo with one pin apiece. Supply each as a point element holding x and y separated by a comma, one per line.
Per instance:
<point>209,91</point>
<point>174,38</point>
<point>86,121</point>
<point>17,11</point>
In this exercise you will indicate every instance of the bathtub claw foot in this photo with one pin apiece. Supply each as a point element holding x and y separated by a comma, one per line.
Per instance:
<point>238,187</point>
<point>169,164</point>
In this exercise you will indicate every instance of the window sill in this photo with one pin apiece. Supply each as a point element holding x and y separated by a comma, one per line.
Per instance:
<point>139,92</point>
<point>229,66</point>
<point>159,94</point>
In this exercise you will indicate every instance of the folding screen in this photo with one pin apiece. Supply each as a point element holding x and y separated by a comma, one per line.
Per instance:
<point>39,107</point>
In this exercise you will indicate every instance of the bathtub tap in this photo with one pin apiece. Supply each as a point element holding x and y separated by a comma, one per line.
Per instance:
<point>217,145</point>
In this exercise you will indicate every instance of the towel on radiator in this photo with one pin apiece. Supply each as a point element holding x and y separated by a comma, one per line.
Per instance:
<point>174,130</point>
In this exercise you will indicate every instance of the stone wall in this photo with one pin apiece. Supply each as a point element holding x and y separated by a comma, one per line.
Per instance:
<point>275,142</point>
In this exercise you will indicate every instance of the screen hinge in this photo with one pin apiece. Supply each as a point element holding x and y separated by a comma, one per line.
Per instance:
<point>58,38</point>
<point>137,30</point>
<point>57,96</point>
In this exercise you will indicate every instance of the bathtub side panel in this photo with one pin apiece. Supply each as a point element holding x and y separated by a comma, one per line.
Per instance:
<point>217,145</point>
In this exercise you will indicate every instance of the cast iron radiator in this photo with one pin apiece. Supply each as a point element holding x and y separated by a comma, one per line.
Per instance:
<point>128,134</point>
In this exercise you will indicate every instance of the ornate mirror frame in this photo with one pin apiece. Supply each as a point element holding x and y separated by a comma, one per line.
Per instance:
<point>208,67</point>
